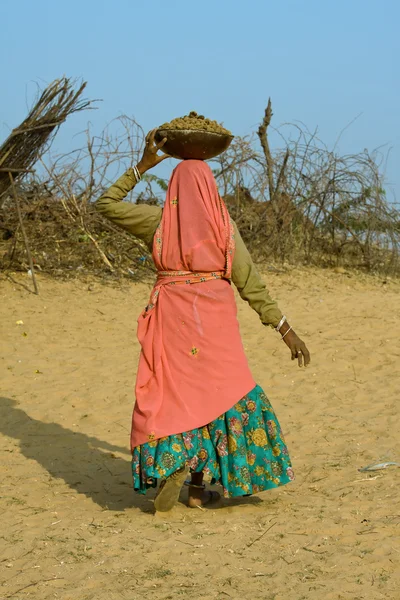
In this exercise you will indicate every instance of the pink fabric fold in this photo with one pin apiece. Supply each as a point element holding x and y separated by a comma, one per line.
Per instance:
<point>192,366</point>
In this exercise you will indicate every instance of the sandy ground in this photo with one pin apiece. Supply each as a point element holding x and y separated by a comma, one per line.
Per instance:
<point>72,529</point>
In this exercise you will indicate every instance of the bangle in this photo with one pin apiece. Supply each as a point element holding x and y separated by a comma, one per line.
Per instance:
<point>281,322</point>
<point>135,175</point>
<point>286,332</point>
<point>136,172</point>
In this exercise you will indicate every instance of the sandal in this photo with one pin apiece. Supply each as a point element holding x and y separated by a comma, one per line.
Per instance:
<point>169,490</point>
<point>213,497</point>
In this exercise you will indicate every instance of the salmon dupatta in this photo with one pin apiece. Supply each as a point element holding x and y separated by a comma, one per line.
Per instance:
<point>192,366</point>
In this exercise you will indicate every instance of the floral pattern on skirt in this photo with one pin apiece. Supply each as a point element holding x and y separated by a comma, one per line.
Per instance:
<point>243,450</point>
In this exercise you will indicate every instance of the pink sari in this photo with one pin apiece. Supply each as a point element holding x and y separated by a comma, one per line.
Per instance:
<point>192,365</point>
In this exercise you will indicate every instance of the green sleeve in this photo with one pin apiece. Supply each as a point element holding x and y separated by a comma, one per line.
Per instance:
<point>141,220</point>
<point>250,285</point>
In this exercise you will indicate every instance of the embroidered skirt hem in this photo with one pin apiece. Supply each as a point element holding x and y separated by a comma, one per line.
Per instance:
<point>243,450</point>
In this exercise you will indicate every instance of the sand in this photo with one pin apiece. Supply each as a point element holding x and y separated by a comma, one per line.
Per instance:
<point>71,527</point>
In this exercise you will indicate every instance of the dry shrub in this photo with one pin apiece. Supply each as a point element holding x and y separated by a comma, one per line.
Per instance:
<point>303,203</point>
<point>309,204</point>
<point>66,235</point>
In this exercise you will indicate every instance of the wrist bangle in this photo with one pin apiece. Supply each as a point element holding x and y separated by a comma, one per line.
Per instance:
<point>286,332</point>
<point>281,322</point>
<point>136,172</point>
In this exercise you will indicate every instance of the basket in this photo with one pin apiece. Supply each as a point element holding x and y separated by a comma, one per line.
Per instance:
<point>193,143</point>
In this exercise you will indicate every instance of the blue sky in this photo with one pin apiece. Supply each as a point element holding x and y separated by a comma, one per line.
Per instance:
<point>323,63</point>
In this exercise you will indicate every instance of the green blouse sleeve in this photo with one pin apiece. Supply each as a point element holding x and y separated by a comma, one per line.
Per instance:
<point>250,285</point>
<point>141,220</point>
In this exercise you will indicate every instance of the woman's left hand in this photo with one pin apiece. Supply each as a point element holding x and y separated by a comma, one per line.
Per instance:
<point>150,156</point>
<point>298,348</point>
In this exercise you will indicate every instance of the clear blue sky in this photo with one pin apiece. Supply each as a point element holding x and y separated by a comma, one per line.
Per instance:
<point>322,63</point>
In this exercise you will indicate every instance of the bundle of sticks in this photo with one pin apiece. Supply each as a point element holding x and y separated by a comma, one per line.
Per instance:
<point>29,141</point>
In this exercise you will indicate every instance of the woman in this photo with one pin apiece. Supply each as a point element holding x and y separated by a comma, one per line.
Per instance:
<point>198,408</point>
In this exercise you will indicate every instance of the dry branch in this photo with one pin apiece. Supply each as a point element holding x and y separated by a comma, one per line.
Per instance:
<point>25,237</point>
<point>281,173</point>
<point>27,142</point>
<point>262,134</point>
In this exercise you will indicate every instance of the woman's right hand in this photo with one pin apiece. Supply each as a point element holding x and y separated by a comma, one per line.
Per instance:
<point>297,347</point>
<point>150,156</point>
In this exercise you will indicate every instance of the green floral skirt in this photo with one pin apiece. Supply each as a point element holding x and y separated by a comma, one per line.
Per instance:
<point>243,450</point>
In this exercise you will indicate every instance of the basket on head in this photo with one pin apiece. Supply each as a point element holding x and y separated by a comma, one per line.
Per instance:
<point>193,143</point>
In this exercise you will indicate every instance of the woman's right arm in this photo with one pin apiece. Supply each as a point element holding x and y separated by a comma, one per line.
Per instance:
<point>252,289</point>
<point>250,285</point>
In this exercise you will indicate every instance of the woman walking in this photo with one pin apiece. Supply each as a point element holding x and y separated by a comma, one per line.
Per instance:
<point>198,408</point>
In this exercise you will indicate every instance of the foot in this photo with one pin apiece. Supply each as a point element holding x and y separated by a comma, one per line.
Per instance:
<point>169,490</point>
<point>199,497</point>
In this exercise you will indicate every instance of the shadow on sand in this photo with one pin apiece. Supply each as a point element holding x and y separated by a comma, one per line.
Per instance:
<point>85,463</point>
